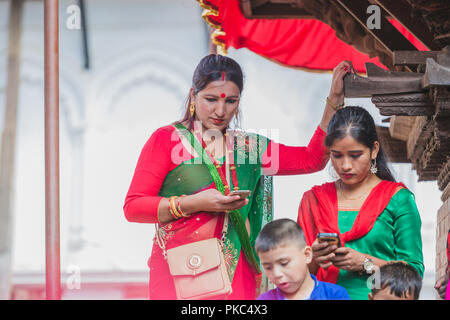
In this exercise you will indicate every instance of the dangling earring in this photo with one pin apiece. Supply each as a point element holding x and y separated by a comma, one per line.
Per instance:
<point>333,174</point>
<point>192,108</point>
<point>373,167</point>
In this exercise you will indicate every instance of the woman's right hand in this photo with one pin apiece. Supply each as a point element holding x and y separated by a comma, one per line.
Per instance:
<point>212,200</point>
<point>336,94</point>
<point>323,253</point>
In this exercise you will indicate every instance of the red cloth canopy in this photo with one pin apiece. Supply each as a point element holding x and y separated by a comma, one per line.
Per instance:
<point>303,43</point>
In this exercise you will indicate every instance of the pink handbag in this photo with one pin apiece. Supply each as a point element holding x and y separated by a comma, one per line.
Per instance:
<point>198,269</point>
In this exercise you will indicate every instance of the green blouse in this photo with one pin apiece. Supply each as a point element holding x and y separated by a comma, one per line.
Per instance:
<point>394,236</point>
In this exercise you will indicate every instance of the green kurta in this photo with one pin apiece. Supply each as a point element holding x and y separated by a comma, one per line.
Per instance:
<point>395,235</point>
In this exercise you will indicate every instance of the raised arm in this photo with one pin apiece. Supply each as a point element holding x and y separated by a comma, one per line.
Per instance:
<point>335,99</point>
<point>279,159</point>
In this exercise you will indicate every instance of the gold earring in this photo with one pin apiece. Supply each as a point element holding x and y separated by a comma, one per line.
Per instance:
<point>192,108</point>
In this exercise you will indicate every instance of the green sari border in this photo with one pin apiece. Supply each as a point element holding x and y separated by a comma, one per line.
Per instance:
<point>237,222</point>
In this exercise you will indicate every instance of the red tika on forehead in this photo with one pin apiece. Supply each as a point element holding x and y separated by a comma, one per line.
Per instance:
<point>223,95</point>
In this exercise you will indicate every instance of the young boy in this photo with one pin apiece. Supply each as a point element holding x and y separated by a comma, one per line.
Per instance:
<point>396,281</point>
<point>284,255</point>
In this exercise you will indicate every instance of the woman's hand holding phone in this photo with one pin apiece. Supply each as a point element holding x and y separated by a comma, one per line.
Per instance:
<point>323,253</point>
<point>243,194</point>
<point>213,200</point>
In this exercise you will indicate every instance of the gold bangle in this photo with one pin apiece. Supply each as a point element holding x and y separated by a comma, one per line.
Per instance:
<point>336,107</point>
<point>179,206</point>
<point>173,209</point>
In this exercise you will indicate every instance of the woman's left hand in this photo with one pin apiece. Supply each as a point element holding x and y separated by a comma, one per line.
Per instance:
<point>441,285</point>
<point>348,259</point>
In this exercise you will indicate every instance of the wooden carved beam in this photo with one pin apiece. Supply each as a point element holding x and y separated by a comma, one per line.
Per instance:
<point>400,127</point>
<point>428,147</point>
<point>404,57</point>
<point>404,104</point>
<point>444,175</point>
<point>380,81</point>
<point>441,101</point>
<point>419,135</point>
<point>402,11</point>
<point>435,75</point>
<point>406,93</point>
<point>395,149</point>
<point>387,34</point>
<point>274,9</point>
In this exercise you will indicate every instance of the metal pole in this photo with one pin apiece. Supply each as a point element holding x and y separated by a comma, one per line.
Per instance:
<point>52,238</point>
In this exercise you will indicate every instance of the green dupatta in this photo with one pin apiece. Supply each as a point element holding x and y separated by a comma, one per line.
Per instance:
<point>198,173</point>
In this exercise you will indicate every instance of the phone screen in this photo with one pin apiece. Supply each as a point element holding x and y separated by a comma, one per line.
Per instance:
<point>242,193</point>
<point>332,238</point>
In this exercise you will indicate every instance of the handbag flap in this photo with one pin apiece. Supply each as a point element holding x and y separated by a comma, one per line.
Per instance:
<point>194,258</point>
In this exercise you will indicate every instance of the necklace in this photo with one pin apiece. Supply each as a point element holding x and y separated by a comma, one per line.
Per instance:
<point>215,146</point>
<point>357,198</point>
<point>229,158</point>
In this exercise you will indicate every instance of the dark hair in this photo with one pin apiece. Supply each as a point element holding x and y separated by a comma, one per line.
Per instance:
<point>278,232</point>
<point>359,124</point>
<point>210,69</point>
<point>401,278</point>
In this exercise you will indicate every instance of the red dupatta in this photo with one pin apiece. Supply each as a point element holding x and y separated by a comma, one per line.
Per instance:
<point>318,212</point>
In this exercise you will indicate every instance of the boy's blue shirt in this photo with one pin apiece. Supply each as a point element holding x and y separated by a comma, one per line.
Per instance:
<point>322,291</point>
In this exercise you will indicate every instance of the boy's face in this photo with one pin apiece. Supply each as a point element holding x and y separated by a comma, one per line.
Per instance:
<point>385,294</point>
<point>286,266</point>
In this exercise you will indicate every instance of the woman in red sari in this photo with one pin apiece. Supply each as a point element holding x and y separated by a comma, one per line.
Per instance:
<point>168,176</point>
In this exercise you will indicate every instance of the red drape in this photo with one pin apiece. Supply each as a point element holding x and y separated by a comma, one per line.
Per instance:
<point>309,44</point>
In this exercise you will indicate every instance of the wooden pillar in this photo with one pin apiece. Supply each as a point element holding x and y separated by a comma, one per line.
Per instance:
<point>8,146</point>
<point>52,206</point>
<point>442,227</point>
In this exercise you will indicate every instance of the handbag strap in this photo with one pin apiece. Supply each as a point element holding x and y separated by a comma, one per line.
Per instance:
<point>234,215</point>
<point>162,243</point>
<point>158,235</point>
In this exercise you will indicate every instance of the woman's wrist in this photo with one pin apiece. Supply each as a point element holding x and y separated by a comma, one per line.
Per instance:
<point>336,102</point>
<point>189,205</point>
<point>376,262</point>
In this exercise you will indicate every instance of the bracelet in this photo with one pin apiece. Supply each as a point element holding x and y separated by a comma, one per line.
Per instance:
<point>179,206</point>
<point>336,107</point>
<point>172,208</point>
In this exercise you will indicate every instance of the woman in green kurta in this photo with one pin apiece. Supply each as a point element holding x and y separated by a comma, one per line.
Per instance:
<point>376,218</point>
<point>394,236</point>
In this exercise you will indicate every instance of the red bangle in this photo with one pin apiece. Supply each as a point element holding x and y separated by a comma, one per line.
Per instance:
<point>179,206</point>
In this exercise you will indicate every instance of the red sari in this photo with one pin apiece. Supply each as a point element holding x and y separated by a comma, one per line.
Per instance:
<point>156,162</point>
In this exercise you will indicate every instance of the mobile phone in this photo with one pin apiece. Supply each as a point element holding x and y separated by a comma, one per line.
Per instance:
<point>331,238</point>
<point>241,193</point>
